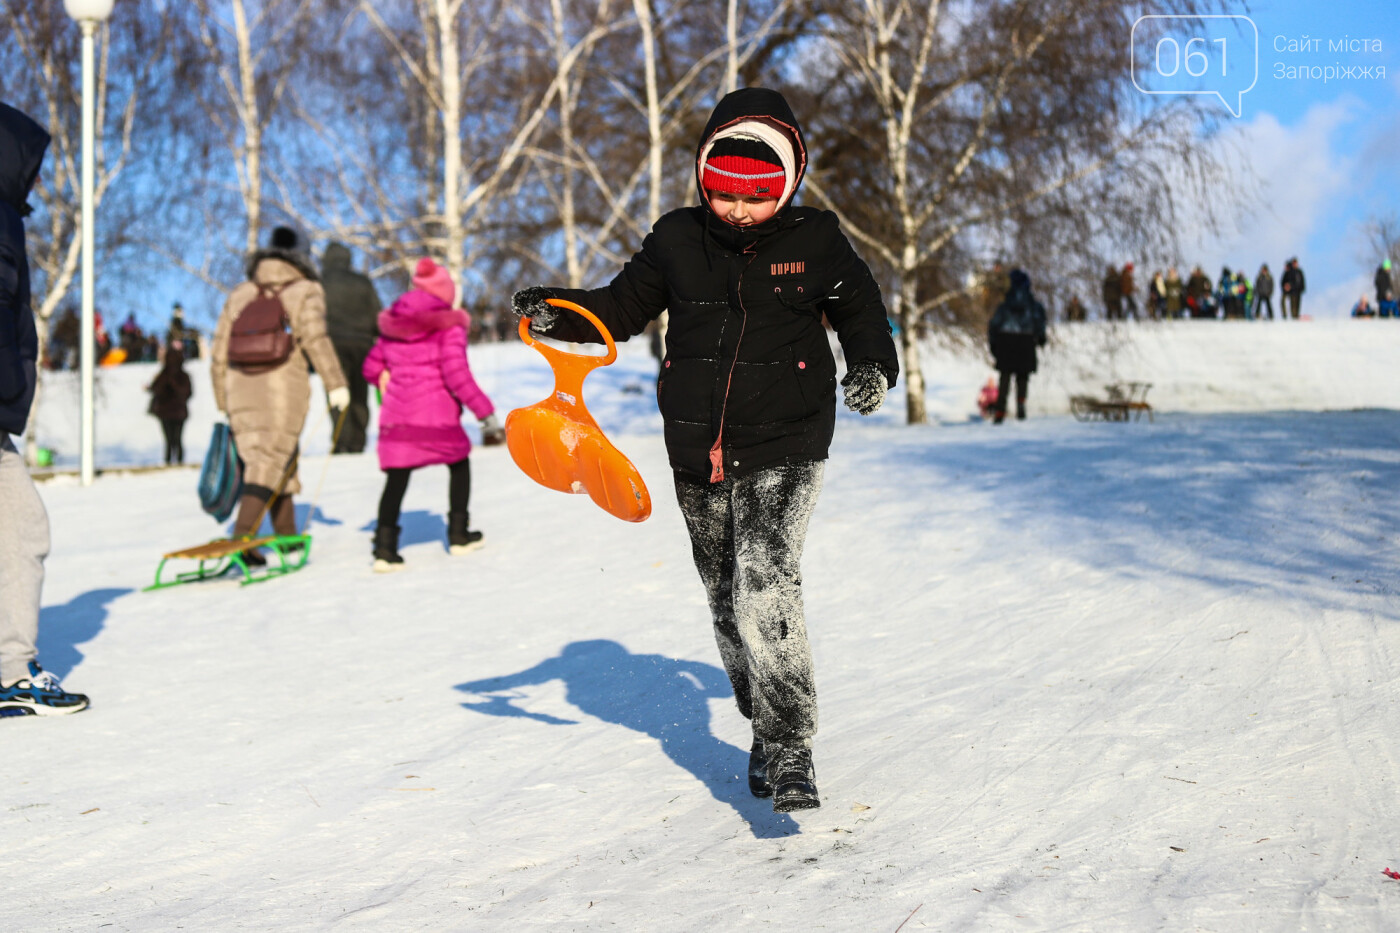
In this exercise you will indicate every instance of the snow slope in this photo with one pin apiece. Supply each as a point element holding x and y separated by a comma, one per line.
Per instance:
<point>1194,366</point>
<point>1072,677</point>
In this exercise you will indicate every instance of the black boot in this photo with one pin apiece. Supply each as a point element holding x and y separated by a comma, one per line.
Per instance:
<point>459,539</point>
<point>1021,409</point>
<point>386,549</point>
<point>758,770</point>
<point>792,777</point>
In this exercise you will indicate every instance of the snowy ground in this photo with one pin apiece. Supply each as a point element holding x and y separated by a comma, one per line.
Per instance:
<point>1072,677</point>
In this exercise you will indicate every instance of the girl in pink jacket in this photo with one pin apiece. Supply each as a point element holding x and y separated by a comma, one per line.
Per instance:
<point>419,363</point>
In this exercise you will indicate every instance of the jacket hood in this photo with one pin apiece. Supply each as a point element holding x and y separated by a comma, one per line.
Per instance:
<point>22,146</point>
<point>293,258</point>
<point>336,258</point>
<point>418,314</point>
<point>763,114</point>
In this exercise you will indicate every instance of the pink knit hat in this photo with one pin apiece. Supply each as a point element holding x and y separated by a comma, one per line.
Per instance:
<point>435,280</point>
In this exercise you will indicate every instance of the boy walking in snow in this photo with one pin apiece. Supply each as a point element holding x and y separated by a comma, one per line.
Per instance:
<point>748,395</point>
<point>26,689</point>
<point>419,363</point>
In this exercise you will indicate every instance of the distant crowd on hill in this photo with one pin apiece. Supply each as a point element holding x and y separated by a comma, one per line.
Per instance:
<point>1167,296</point>
<point>1232,296</point>
<point>131,343</point>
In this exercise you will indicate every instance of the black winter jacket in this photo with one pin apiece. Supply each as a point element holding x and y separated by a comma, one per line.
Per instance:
<point>748,372</point>
<point>1293,281</point>
<point>1017,328</point>
<point>22,145</point>
<point>352,304</point>
<point>171,389</point>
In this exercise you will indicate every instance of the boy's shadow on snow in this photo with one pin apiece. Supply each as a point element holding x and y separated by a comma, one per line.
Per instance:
<point>418,527</point>
<point>63,628</point>
<point>648,693</point>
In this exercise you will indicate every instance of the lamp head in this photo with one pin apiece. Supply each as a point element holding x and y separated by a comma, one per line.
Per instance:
<point>88,10</point>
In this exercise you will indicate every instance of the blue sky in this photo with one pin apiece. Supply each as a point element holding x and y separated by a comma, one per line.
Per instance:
<point>1327,153</point>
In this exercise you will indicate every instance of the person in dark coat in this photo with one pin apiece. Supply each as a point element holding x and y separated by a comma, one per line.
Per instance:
<point>1294,284</point>
<point>1113,295</point>
<point>170,396</point>
<point>1199,295</point>
<point>1129,291</point>
<point>352,313</point>
<point>26,689</point>
<point>1264,292</point>
<point>1383,283</point>
<point>181,333</point>
<point>1017,328</point>
<point>747,394</point>
<point>1225,294</point>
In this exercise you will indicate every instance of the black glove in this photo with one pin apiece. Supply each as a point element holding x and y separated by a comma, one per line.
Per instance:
<point>530,302</point>
<point>865,386</point>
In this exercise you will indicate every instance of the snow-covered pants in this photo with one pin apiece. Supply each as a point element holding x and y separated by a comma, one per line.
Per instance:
<point>746,535</point>
<point>24,543</point>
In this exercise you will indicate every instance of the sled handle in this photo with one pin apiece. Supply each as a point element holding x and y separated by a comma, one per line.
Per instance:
<point>588,361</point>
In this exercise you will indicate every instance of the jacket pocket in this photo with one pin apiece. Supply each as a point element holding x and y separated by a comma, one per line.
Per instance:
<point>769,392</point>
<point>685,389</point>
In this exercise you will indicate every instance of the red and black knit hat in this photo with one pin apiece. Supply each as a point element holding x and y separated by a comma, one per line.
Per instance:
<point>744,166</point>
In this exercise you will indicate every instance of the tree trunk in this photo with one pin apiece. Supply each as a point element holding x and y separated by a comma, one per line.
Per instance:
<point>451,138</point>
<point>252,126</point>
<point>915,410</point>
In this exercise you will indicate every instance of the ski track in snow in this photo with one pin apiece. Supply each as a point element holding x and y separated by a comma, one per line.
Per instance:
<point>1072,677</point>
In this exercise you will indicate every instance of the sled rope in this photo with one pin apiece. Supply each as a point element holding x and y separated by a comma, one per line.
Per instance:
<point>325,468</point>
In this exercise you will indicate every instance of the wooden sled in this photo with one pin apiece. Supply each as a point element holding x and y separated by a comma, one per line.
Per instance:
<point>1124,401</point>
<point>289,553</point>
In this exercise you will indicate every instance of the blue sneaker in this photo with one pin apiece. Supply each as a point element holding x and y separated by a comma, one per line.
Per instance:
<point>39,694</point>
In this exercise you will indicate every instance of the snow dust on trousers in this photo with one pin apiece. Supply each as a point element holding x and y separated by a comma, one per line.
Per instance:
<point>746,534</point>
<point>24,543</point>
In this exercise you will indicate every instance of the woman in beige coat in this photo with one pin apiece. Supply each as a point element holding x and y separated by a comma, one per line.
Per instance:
<point>266,409</point>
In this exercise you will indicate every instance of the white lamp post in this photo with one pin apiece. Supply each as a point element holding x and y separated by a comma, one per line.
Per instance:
<point>88,13</point>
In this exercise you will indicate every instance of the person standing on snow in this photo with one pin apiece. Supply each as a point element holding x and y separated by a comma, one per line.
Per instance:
<point>26,689</point>
<point>1264,292</point>
<point>1294,285</point>
<point>1129,290</point>
<point>1173,295</point>
<point>420,365</point>
<point>748,395</point>
<point>170,396</point>
<point>1383,283</point>
<point>266,403</point>
<point>1016,329</point>
<point>352,308</point>
<point>1113,295</point>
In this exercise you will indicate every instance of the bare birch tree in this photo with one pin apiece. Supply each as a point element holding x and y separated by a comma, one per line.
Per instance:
<point>42,59</point>
<point>948,134</point>
<point>648,91</point>
<point>251,58</point>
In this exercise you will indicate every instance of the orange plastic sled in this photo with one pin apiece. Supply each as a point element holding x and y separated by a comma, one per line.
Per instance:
<point>558,444</point>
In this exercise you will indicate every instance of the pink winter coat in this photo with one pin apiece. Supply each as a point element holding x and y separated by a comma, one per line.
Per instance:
<point>423,346</point>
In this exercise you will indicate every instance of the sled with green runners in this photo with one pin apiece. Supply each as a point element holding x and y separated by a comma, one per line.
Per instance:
<point>216,559</point>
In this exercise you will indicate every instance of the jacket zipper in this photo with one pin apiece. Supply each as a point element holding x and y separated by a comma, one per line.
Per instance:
<point>717,449</point>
